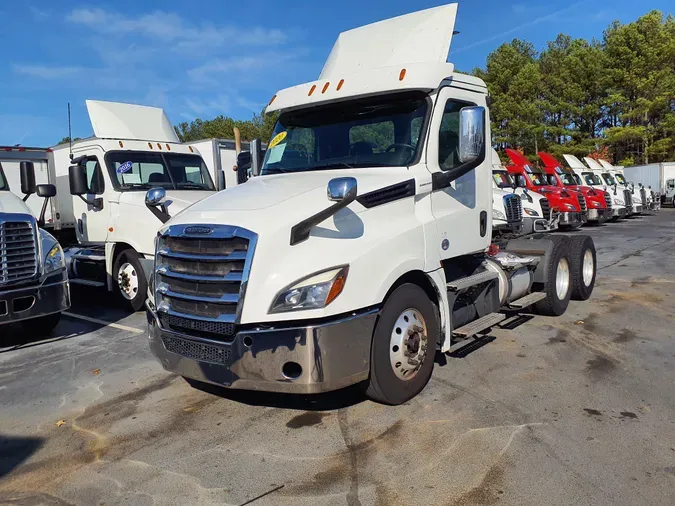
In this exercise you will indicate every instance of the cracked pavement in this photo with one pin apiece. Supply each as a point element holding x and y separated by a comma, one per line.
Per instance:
<point>572,410</point>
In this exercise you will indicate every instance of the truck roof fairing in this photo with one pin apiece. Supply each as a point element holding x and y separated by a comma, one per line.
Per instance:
<point>116,120</point>
<point>403,53</point>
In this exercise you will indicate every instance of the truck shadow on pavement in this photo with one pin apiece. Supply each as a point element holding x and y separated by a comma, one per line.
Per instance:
<point>328,401</point>
<point>15,450</point>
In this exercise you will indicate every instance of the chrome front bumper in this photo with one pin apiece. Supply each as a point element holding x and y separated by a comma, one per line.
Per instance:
<point>331,355</point>
<point>533,225</point>
<point>572,219</point>
<point>637,209</point>
<point>24,303</point>
<point>619,212</point>
<point>599,215</point>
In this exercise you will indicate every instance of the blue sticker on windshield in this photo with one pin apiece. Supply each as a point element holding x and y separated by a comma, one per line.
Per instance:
<point>125,167</point>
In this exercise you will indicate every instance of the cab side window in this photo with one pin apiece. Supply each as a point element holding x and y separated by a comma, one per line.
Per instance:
<point>462,189</point>
<point>95,176</point>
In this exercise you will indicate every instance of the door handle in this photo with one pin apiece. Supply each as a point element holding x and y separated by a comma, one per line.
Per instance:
<point>483,223</point>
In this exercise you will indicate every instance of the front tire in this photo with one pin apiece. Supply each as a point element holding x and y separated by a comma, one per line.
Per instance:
<point>558,280</point>
<point>129,280</point>
<point>583,263</point>
<point>404,346</point>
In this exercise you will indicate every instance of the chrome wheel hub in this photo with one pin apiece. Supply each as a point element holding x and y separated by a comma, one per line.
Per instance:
<point>562,278</point>
<point>127,280</point>
<point>408,344</point>
<point>588,268</point>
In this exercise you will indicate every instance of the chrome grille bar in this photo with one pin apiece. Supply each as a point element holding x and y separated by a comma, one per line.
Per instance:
<point>18,248</point>
<point>201,274</point>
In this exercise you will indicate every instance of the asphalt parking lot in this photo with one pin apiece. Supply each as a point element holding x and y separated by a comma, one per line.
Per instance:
<point>572,410</point>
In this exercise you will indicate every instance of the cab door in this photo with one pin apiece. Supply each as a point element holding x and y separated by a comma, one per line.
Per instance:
<point>91,221</point>
<point>462,207</point>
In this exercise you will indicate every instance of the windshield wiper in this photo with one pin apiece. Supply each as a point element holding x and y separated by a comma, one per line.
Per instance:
<point>328,166</point>
<point>143,186</point>
<point>194,186</point>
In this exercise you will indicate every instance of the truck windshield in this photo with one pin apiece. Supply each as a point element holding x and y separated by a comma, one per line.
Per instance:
<point>538,179</point>
<point>373,132</point>
<point>620,179</point>
<point>3,181</point>
<point>608,178</point>
<point>141,170</point>
<point>592,179</point>
<point>567,179</point>
<point>502,179</point>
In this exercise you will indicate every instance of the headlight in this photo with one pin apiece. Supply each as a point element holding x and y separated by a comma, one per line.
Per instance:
<point>55,259</point>
<point>595,204</point>
<point>618,202</point>
<point>570,207</point>
<point>498,215</point>
<point>530,212</point>
<point>313,292</point>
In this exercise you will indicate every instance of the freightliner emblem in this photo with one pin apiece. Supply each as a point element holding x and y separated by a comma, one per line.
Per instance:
<point>199,230</point>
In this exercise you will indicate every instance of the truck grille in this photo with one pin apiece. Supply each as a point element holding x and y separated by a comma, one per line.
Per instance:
<point>643,196</point>
<point>628,196</point>
<point>198,351</point>
<point>582,202</point>
<point>608,200</point>
<point>514,208</point>
<point>18,251</point>
<point>200,278</point>
<point>545,208</point>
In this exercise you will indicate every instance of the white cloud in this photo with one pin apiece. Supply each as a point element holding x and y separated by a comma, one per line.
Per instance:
<point>499,36</point>
<point>39,14</point>
<point>48,72</point>
<point>170,27</point>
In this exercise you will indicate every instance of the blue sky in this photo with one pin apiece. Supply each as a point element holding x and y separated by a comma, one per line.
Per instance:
<point>210,57</point>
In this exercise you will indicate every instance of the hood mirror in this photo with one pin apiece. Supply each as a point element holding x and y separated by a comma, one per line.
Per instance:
<point>342,188</point>
<point>155,201</point>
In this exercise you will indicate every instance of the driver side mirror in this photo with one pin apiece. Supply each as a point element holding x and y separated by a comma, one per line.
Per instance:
<point>46,191</point>
<point>256,157</point>
<point>77,180</point>
<point>471,133</point>
<point>27,173</point>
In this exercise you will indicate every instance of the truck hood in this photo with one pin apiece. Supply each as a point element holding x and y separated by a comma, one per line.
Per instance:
<point>10,203</point>
<point>285,198</point>
<point>178,200</point>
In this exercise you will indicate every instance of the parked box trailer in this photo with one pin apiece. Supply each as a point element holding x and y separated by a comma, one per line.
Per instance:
<point>660,177</point>
<point>221,155</point>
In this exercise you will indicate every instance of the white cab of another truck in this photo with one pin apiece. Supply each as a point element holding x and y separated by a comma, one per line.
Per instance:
<point>101,210</point>
<point>362,246</point>
<point>641,193</point>
<point>220,156</point>
<point>34,286</point>
<point>536,211</point>
<point>614,178</point>
<point>593,178</point>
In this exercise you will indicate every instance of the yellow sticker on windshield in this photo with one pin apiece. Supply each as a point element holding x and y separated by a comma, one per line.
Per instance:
<point>277,139</point>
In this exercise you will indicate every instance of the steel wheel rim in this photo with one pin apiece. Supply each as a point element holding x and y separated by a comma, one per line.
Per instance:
<point>408,344</point>
<point>127,280</point>
<point>562,278</point>
<point>588,267</point>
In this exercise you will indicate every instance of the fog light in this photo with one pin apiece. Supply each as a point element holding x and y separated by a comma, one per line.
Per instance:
<point>291,370</point>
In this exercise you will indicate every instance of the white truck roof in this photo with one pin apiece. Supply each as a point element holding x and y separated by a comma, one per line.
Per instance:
<point>593,163</point>
<point>575,163</point>
<point>363,61</point>
<point>116,120</point>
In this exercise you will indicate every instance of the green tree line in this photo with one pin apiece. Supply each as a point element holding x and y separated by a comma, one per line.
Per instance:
<point>222,127</point>
<point>614,96</point>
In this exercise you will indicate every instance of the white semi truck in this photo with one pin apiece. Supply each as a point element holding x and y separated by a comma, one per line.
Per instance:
<point>658,177</point>
<point>613,178</point>
<point>364,244</point>
<point>34,286</point>
<point>220,156</point>
<point>99,213</point>
<point>620,201</point>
